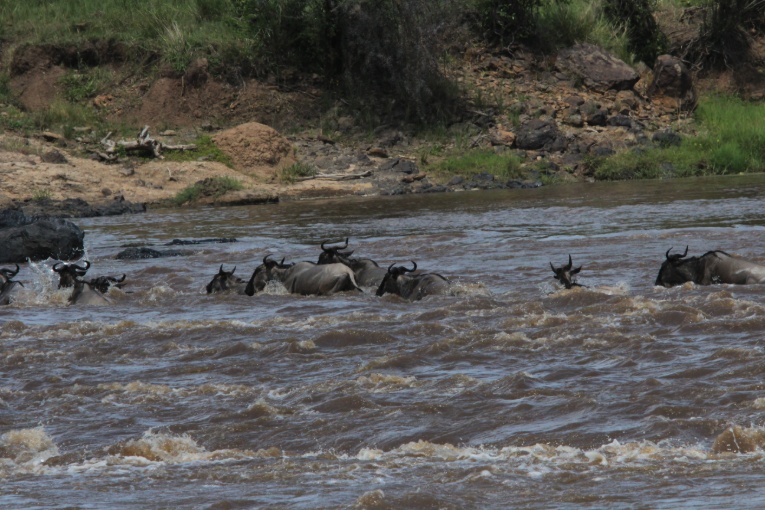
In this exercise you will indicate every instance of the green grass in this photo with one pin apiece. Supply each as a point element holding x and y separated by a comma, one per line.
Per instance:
<point>293,173</point>
<point>86,83</point>
<point>562,24</point>
<point>206,150</point>
<point>179,30</point>
<point>731,140</point>
<point>212,187</point>
<point>474,162</point>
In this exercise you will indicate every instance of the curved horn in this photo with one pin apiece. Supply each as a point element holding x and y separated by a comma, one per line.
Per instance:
<point>685,252</point>
<point>413,269</point>
<point>58,270</point>
<point>120,280</point>
<point>232,271</point>
<point>336,247</point>
<point>220,271</point>
<point>667,254</point>
<point>265,259</point>
<point>12,273</point>
<point>391,266</point>
<point>87,266</point>
<point>570,263</point>
<point>553,268</point>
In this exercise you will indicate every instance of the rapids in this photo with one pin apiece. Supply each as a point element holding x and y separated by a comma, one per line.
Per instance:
<point>509,393</point>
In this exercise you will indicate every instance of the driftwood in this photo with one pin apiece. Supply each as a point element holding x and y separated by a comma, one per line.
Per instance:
<point>411,178</point>
<point>144,143</point>
<point>337,177</point>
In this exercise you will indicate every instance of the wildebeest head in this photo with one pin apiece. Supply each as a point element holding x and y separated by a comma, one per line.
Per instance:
<point>68,273</point>
<point>333,255</point>
<point>102,283</point>
<point>565,274</point>
<point>6,275</point>
<point>7,284</point>
<point>676,269</point>
<point>223,281</point>
<point>389,282</point>
<point>263,274</point>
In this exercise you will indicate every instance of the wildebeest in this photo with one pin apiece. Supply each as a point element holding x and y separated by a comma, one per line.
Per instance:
<point>7,285</point>
<point>565,274</point>
<point>367,272</point>
<point>84,293</point>
<point>103,283</point>
<point>69,273</point>
<point>412,287</point>
<point>225,281</point>
<point>712,267</point>
<point>304,278</point>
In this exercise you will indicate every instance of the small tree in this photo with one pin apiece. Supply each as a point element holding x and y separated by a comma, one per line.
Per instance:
<point>646,41</point>
<point>723,38</point>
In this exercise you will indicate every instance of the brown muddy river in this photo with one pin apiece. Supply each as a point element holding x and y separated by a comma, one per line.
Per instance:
<point>509,393</point>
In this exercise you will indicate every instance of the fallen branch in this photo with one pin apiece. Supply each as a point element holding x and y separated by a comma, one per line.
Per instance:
<point>144,143</point>
<point>337,177</point>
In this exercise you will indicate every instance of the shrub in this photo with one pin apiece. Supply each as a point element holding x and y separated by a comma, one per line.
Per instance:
<point>382,55</point>
<point>505,21</point>
<point>293,173</point>
<point>211,187</point>
<point>723,39</point>
<point>646,41</point>
<point>476,162</point>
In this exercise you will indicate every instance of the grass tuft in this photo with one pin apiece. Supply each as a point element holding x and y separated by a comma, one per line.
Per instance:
<point>475,162</point>
<point>293,173</point>
<point>212,187</point>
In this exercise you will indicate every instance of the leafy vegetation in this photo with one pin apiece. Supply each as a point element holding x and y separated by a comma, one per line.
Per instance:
<point>212,187</point>
<point>472,163</point>
<point>293,173</point>
<point>206,150</point>
<point>732,142</point>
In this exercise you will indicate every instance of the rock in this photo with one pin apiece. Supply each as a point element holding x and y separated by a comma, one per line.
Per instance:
<point>399,165</point>
<point>598,69</point>
<point>147,253</point>
<point>620,120</point>
<point>501,136</point>
<point>667,138</point>
<point>672,85</point>
<point>536,134</point>
<point>55,157</point>
<point>255,149</point>
<point>41,239</point>
<point>196,73</point>
<point>377,152</point>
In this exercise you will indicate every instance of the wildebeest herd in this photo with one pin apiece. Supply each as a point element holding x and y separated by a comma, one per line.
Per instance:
<point>338,271</point>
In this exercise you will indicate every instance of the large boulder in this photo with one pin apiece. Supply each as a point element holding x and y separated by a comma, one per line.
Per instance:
<point>596,68</point>
<point>41,239</point>
<point>255,149</point>
<point>538,134</point>
<point>672,85</point>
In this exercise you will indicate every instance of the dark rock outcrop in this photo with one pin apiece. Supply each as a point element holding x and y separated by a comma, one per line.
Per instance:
<point>672,84</point>
<point>537,134</point>
<point>148,253</point>
<point>39,239</point>
<point>596,68</point>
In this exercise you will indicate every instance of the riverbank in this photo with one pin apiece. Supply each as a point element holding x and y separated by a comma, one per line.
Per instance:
<point>528,120</point>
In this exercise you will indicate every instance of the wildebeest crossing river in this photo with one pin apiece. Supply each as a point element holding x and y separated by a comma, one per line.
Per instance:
<point>511,392</point>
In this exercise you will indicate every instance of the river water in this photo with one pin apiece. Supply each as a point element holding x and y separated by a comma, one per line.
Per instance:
<point>509,393</point>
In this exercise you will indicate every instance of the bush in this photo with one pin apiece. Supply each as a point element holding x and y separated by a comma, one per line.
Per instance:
<point>723,38</point>
<point>293,173</point>
<point>506,21</point>
<point>382,55</point>
<point>646,41</point>
<point>210,187</point>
